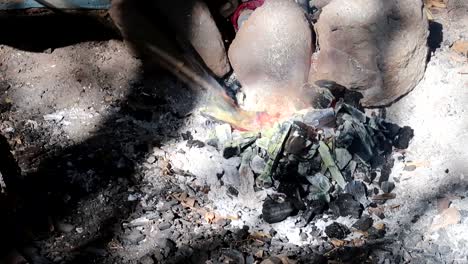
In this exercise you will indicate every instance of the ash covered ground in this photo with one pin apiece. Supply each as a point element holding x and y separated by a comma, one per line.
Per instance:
<point>116,168</point>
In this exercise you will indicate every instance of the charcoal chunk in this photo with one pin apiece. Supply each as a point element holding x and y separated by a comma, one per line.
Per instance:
<point>274,212</point>
<point>342,157</point>
<point>313,208</point>
<point>320,118</point>
<point>403,138</point>
<point>194,143</point>
<point>230,151</point>
<point>337,230</point>
<point>375,233</point>
<point>345,205</point>
<point>358,189</point>
<point>364,223</point>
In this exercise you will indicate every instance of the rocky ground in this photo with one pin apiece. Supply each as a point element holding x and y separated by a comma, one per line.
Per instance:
<point>115,168</point>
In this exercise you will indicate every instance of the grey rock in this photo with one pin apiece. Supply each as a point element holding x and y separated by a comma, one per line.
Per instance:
<point>375,47</point>
<point>192,19</point>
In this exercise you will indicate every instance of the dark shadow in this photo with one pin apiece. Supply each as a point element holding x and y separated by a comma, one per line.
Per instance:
<point>436,36</point>
<point>38,33</point>
<point>69,181</point>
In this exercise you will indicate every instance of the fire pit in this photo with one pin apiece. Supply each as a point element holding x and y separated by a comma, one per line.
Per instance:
<point>328,162</point>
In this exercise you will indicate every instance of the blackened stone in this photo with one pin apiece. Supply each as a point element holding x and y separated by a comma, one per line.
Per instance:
<point>337,230</point>
<point>375,233</point>
<point>346,205</point>
<point>403,138</point>
<point>274,212</point>
<point>387,186</point>
<point>364,223</point>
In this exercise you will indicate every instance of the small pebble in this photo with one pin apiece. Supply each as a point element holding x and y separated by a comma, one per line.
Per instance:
<point>151,159</point>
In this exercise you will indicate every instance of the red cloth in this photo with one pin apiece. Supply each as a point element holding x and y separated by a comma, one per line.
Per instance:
<point>252,5</point>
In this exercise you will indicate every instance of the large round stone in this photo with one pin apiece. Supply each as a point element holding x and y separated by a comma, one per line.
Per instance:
<point>271,55</point>
<point>377,47</point>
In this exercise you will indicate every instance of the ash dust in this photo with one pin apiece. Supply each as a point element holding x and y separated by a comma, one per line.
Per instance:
<point>100,145</point>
